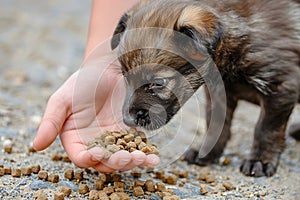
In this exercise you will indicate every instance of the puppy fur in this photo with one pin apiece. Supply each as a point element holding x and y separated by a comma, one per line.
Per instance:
<point>255,45</point>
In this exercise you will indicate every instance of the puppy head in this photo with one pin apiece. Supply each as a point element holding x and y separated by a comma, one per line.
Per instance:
<point>165,50</point>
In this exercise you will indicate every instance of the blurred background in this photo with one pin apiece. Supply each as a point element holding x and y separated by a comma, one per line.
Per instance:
<point>41,44</point>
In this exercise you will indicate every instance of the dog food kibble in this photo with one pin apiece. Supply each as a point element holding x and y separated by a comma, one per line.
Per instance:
<point>203,189</point>
<point>16,172</point>
<point>228,185</point>
<point>136,174</point>
<point>109,190</point>
<point>2,171</point>
<point>66,159</point>
<point>43,175</point>
<point>159,174</point>
<point>26,171</point>
<point>139,183</point>
<point>78,174</point>
<point>69,174</point>
<point>138,191</point>
<point>129,140</point>
<point>118,184</point>
<point>172,179</point>
<point>150,186</point>
<point>99,184</point>
<point>102,195</point>
<point>161,187</point>
<point>8,148</point>
<point>66,190</point>
<point>83,188</point>
<point>56,157</point>
<point>35,169</point>
<point>7,170</point>
<point>59,196</point>
<point>54,178</point>
<point>93,195</point>
<point>114,196</point>
<point>113,148</point>
<point>40,195</point>
<point>116,177</point>
<point>183,174</point>
<point>31,149</point>
<point>210,178</point>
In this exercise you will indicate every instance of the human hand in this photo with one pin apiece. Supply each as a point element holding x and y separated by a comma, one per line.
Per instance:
<point>89,103</point>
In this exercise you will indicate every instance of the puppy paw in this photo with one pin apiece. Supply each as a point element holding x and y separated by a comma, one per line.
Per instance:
<point>257,168</point>
<point>192,156</point>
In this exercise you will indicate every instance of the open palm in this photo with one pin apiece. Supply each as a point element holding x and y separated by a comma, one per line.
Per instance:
<point>87,104</point>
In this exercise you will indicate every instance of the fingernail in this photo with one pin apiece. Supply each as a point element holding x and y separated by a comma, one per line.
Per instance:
<point>154,161</point>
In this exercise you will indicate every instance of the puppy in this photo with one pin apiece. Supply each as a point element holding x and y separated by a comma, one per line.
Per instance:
<point>253,44</point>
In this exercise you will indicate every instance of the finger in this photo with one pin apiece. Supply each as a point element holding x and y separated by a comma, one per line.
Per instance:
<point>118,160</point>
<point>138,158</point>
<point>77,151</point>
<point>52,122</point>
<point>103,168</point>
<point>151,160</point>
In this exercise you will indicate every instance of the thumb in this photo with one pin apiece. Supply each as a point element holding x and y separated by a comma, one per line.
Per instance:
<point>55,115</point>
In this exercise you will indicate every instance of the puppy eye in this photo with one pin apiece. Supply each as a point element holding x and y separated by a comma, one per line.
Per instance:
<point>159,83</point>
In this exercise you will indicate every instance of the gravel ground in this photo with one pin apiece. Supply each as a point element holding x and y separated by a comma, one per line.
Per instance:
<point>41,44</point>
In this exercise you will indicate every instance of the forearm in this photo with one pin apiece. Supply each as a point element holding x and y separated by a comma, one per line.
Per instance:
<point>105,15</point>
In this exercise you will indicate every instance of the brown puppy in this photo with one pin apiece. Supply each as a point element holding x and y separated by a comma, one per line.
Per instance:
<point>255,45</point>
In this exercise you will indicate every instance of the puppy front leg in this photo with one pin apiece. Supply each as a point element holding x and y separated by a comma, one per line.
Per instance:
<point>269,135</point>
<point>215,142</point>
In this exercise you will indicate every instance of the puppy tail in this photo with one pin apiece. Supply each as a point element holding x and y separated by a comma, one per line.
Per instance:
<point>294,131</point>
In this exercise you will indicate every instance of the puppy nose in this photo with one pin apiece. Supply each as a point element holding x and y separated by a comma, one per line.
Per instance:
<point>142,117</point>
<point>141,114</point>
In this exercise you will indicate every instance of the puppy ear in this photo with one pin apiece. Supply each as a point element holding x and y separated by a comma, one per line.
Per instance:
<point>202,25</point>
<point>118,31</point>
